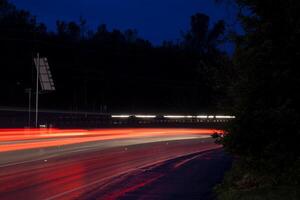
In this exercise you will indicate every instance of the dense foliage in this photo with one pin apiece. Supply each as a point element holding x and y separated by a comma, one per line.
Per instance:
<point>265,95</point>
<point>110,70</point>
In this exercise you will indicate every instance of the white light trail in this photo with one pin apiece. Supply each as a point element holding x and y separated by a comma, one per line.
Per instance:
<point>202,116</point>
<point>190,117</point>
<point>225,117</point>
<point>179,116</point>
<point>120,116</point>
<point>174,116</point>
<point>146,116</point>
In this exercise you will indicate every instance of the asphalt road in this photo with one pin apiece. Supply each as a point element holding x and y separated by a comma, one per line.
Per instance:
<point>102,164</point>
<point>190,177</point>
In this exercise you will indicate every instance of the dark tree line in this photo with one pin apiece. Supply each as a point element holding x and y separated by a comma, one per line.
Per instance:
<point>92,68</point>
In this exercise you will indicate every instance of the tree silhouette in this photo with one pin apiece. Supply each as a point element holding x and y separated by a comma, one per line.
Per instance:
<point>92,68</point>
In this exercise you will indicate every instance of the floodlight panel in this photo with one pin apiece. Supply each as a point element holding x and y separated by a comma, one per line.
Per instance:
<point>47,86</point>
<point>45,76</point>
<point>43,70</point>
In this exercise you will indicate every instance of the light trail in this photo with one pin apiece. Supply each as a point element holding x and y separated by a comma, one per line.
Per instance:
<point>146,116</point>
<point>176,116</point>
<point>22,139</point>
<point>225,117</point>
<point>120,116</point>
<point>202,116</point>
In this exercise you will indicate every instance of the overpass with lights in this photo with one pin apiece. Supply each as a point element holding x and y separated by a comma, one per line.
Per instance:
<point>18,118</point>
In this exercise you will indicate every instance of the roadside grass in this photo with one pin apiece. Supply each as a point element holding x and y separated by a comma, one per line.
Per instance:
<point>274,193</point>
<point>244,184</point>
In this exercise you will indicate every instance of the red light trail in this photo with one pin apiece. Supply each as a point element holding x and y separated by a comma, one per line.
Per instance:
<point>22,139</point>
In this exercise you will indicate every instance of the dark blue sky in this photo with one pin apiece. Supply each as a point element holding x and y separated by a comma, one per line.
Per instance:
<point>155,20</point>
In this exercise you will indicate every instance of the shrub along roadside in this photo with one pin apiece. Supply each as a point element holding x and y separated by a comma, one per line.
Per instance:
<point>243,182</point>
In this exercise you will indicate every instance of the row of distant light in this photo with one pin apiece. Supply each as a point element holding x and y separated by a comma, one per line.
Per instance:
<point>177,116</point>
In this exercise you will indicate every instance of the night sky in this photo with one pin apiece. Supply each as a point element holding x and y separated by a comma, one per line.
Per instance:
<point>155,20</point>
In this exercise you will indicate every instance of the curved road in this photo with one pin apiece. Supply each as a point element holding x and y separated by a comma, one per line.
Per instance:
<point>60,167</point>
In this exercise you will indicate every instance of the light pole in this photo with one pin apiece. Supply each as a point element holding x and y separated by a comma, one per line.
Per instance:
<point>28,90</point>
<point>37,91</point>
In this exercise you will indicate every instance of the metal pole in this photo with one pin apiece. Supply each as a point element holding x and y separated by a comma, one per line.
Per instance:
<point>29,108</point>
<point>29,115</point>
<point>28,90</point>
<point>37,91</point>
